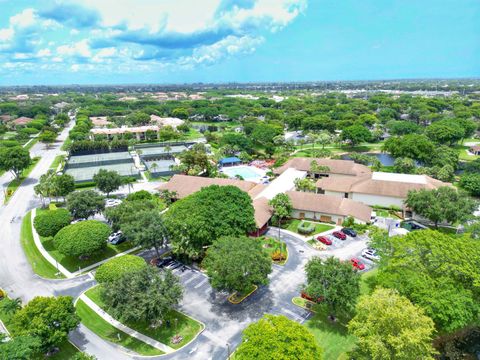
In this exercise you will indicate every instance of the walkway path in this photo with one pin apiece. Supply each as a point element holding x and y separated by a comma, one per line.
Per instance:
<point>105,316</point>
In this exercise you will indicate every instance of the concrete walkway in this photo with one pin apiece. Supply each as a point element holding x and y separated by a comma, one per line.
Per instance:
<point>148,340</point>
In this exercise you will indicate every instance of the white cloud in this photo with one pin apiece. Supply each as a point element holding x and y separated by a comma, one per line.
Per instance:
<point>24,19</point>
<point>74,32</point>
<point>44,53</point>
<point>6,34</point>
<point>229,46</point>
<point>80,48</point>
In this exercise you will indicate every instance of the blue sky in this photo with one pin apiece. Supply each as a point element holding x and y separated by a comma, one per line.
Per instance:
<point>184,41</point>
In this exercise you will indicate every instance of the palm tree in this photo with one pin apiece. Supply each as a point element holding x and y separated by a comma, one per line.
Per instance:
<point>11,306</point>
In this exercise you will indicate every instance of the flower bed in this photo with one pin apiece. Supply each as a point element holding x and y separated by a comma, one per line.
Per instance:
<point>305,227</point>
<point>237,298</point>
<point>276,249</point>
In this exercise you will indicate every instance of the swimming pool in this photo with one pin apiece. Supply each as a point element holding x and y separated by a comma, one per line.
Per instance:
<point>249,173</point>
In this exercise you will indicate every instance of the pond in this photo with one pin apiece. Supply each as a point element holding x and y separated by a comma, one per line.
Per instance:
<point>385,159</point>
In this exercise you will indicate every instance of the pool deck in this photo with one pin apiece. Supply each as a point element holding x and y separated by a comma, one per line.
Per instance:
<point>231,171</point>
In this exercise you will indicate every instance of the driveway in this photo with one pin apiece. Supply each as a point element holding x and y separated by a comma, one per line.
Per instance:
<point>225,321</point>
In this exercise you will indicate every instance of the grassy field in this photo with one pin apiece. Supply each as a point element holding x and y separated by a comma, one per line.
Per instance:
<point>187,327</point>
<point>110,333</point>
<point>15,184</point>
<point>292,225</point>
<point>39,264</point>
<point>74,264</point>
<point>307,149</point>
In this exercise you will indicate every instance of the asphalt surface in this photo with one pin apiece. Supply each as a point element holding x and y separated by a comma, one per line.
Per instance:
<point>224,321</point>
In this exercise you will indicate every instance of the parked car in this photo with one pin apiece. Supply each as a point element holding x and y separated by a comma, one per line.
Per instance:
<point>116,238</point>
<point>370,254</point>
<point>304,295</point>
<point>77,221</point>
<point>324,240</point>
<point>349,232</point>
<point>357,264</point>
<point>339,235</point>
<point>162,262</point>
<point>112,202</point>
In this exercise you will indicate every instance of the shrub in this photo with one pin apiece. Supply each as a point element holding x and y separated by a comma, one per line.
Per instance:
<point>83,238</point>
<point>305,227</point>
<point>2,294</point>
<point>139,195</point>
<point>117,267</point>
<point>277,255</point>
<point>50,222</point>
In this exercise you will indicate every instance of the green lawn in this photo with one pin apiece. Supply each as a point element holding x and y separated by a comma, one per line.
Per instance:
<point>57,161</point>
<point>39,264</point>
<point>187,327</point>
<point>292,225</point>
<point>66,349</point>
<point>110,333</point>
<point>74,264</point>
<point>15,184</point>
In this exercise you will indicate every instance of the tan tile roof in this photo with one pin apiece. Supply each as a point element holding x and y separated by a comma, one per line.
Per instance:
<point>475,148</point>
<point>344,167</point>
<point>22,120</point>
<point>367,185</point>
<point>185,185</point>
<point>99,121</point>
<point>329,205</point>
<point>123,130</point>
<point>5,118</point>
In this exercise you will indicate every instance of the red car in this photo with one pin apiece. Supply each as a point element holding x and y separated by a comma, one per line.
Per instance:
<point>357,264</point>
<point>324,240</point>
<point>304,295</point>
<point>339,235</point>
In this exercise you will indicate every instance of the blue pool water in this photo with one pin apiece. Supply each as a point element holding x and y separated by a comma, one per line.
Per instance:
<point>246,172</point>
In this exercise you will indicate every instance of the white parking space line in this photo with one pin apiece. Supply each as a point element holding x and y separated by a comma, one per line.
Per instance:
<point>291,313</point>
<point>190,280</point>
<point>200,283</point>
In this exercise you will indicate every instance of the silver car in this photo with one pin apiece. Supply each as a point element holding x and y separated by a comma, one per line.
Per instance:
<point>370,254</point>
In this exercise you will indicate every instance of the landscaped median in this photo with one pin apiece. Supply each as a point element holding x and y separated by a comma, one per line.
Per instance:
<point>159,338</point>
<point>304,227</point>
<point>47,261</point>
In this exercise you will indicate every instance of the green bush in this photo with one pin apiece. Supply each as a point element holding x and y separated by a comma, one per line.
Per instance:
<point>83,238</point>
<point>49,223</point>
<point>305,227</point>
<point>139,195</point>
<point>114,269</point>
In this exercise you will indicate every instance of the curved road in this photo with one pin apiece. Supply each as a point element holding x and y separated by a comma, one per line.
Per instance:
<point>224,321</point>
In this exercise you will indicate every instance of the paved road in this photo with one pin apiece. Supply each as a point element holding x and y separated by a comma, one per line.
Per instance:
<point>224,321</point>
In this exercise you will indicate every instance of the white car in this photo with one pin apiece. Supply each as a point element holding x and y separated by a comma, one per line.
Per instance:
<point>112,202</point>
<point>370,254</point>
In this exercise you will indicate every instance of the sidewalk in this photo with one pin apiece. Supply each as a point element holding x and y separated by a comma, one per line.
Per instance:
<point>305,238</point>
<point>135,334</point>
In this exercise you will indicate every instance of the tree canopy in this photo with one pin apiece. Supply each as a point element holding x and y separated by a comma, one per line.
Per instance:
<point>49,223</point>
<point>48,319</point>
<point>237,263</point>
<point>86,203</point>
<point>117,267</point>
<point>277,337</point>
<point>142,295</point>
<point>442,204</point>
<point>389,327</point>
<point>14,159</point>
<point>435,271</point>
<point>214,211</point>
<point>334,281</point>
<point>83,238</point>
<point>107,181</point>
